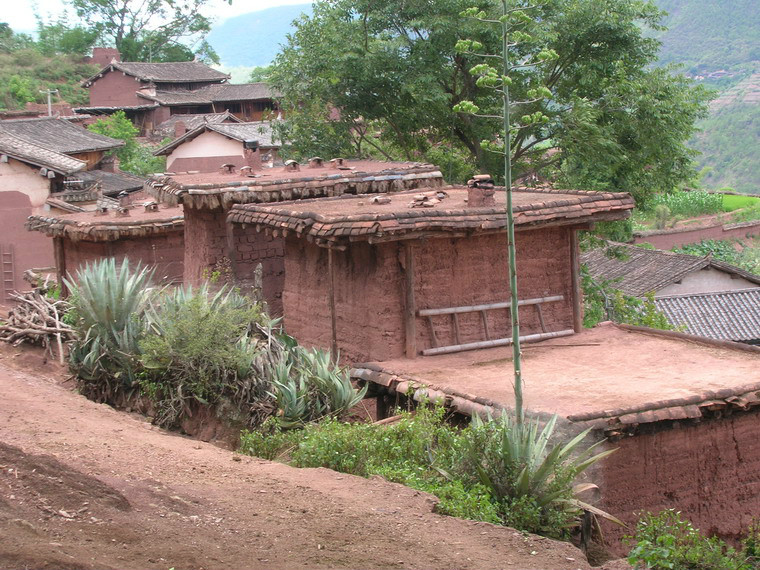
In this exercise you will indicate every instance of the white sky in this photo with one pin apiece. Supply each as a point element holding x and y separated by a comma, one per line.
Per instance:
<point>20,15</point>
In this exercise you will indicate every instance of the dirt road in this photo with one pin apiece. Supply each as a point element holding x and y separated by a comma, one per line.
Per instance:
<point>85,486</point>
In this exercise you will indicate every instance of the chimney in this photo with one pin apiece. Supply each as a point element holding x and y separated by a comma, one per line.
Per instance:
<point>252,156</point>
<point>180,128</point>
<point>102,56</point>
<point>480,191</point>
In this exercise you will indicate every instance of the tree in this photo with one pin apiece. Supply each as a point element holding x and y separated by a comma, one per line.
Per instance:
<point>391,67</point>
<point>133,157</point>
<point>62,38</point>
<point>150,30</point>
<point>11,41</point>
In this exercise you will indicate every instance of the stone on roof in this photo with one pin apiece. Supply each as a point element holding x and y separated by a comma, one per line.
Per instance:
<point>337,178</point>
<point>212,94</point>
<point>193,121</point>
<point>59,135</point>
<point>36,155</point>
<point>359,218</point>
<point>174,72</point>
<point>637,271</point>
<point>724,315</point>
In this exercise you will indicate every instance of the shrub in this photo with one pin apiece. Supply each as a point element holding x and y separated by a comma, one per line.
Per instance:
<point>201,348</point>
<point>668,542</point>
<point>108,304</point>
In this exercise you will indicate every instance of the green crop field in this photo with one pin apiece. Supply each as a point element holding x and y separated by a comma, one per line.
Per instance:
<point>731,203</point>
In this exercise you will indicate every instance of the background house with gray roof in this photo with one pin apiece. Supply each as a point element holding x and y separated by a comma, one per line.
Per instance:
<point>211,145</point>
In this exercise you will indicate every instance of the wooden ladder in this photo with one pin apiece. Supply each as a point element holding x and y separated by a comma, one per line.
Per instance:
<point>488,342</point>
<point>8,264</point>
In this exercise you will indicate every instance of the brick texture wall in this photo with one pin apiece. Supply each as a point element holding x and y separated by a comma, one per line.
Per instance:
<point>205,242</point>
<point>164,252</point>
<point>369,290</point>
<point>251,248</point>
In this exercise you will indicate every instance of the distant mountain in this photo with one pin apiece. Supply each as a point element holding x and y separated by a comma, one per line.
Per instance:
<point>718,44</point>
<point>254,39</point>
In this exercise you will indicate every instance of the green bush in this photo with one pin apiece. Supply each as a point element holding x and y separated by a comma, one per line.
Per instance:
<point>108,304</point>
<point>201,348</point>
<point>683,204</point>
<point>668,542</point>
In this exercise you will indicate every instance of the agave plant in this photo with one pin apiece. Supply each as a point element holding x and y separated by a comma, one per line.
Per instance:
<point>109,302</point>
<point>519,461</point>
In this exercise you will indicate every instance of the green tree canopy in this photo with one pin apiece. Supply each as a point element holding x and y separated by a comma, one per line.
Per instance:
<point>150,30</point>
<point>392,71</point>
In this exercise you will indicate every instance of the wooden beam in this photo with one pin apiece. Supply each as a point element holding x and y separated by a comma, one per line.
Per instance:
<point>487,307</point>
<point>494,342</point>
<point>575,273</point>
<point>410,304</point>
<point>331,295</point>
<point>60,264</point>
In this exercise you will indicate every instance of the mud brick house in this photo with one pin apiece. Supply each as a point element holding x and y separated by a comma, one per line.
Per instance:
<point>682,410</point>
<point>144,233</point>
<point>210,145</point>
<point>150,93</point>
<point>208,197</point>
<point>407,273</point>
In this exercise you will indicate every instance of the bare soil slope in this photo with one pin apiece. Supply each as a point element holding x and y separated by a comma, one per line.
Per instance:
<point>85,486</point>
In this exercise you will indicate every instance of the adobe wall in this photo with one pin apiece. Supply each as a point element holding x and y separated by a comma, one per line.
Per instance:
<point>705,281</point>
<point>448,272</point>
<point>19,177</point>
<point>710,471</point>
<point>676,238</point>
<point>164,252</point>
<point>205,163</point>
<point>205,242</point>
<point>29,249</point>
<point>252,248</point>
<point>115,89</point>
<point>208,145</point>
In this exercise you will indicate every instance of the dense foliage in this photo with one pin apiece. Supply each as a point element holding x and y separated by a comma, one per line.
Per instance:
<point>491,471</point>
<point>745,256</point>
<point>392,71</point>
<point>183,347</point>
<point>667,541</point>
<point>133,156</point>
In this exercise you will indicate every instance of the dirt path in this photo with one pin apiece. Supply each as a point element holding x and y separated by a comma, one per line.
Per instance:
<point>85,486</point>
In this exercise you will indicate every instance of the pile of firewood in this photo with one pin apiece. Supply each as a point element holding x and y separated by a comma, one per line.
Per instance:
<point>37,319</point>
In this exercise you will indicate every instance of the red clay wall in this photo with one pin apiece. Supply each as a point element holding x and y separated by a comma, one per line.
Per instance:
<point>164,252</point>
<point>206,163</point>
<point>252,248</point>
<point>29,249</point>
<point>369,292</point>
<point>115,89</point>
<point>710,471</point>
<point>205,242</point>
<point>673,239</point>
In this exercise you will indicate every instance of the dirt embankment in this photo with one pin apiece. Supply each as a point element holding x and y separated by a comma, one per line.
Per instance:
<point>85,486</point>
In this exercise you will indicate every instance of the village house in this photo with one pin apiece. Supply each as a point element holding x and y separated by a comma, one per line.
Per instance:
<point>405,274</point>
<point>177,125</point>
<point>210,146</point>
<point>39,158</point>
<point>638,271</point>
<point>150,93</point>
<point>143,231</point>
<point>210,244</point>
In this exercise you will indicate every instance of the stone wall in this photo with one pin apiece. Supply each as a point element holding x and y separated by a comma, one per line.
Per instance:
<point>369,292</point>
<point>164,252</point>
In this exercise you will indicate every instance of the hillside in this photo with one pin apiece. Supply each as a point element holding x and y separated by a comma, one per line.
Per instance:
<point>254,39</point>
<point>719,45</point>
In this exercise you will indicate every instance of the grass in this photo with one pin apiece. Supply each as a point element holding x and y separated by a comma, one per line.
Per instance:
<point>731,203</point>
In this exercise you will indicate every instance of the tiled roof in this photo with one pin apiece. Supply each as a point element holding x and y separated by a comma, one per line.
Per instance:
<point>259,131</point>
<point>174,72</point>
<point>36,155</point>
<point>637,271</point>
<point>191,122</point>
<point>58,135</point>
<point>111,183</point>
<point>214,190</point>
<point>213,94</point>
<point>89,226</point>
<point>725,315</point>
<point>358,218</point>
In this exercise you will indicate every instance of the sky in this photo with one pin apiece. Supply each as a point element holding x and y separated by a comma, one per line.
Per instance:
<point>20,15</point>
